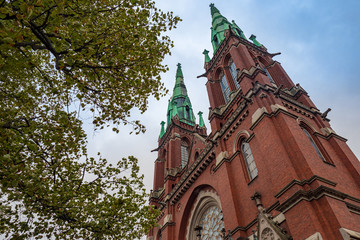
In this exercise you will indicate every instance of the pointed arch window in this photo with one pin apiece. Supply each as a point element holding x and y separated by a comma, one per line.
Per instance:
<point>184,153</point>
<point>267,73</point>
<point>225,88</point>
<point>233,73</point>
<point>249,159</point>
<point>317,150</point>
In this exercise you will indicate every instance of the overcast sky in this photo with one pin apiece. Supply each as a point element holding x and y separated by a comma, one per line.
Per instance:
<point>319,45</point>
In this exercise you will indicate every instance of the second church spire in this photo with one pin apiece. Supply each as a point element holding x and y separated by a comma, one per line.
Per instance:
<point>179,104</point>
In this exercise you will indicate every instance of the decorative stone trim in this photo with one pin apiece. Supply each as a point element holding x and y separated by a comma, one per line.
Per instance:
<point>315,236</point>
<point>314,195</point>
<point>349,234</point>
<point>327,131</point>
<point>279,218</point>
<point>157,193</point>
<point>276,107</point>
<point>221,156</point>
<point>242,133</point>
<point>298,110</point>
<point>249,73</point>
<point>236,125</point>
<point>172,171</point>
<point>235,96</point>
<point>303,182</point>
<point>167,224</point>
<point>257,114</point>
<point>167,219</point>
<point>160,216</point>
<point>232,118</point>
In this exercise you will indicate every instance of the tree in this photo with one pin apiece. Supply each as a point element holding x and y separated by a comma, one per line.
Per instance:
<point>59,58</point>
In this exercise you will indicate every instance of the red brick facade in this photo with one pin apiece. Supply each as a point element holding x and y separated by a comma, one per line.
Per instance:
<point>310,185</point>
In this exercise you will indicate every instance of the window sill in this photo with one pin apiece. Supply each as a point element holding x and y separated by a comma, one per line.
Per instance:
<point>252,180</point>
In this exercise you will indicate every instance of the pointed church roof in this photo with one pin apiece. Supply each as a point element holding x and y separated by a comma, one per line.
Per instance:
<point>179,104</point>
<point>219,25</point>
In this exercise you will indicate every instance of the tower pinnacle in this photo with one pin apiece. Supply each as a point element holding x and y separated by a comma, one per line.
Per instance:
<point>179,104</point>
<point>219,25</point>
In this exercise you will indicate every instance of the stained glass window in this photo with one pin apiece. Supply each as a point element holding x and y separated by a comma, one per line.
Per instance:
<point>212,224</point>
<point>249,160</point>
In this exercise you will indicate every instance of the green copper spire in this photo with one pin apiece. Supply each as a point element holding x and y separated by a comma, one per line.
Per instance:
<point>206,54</point>
<point>219,25</point>
<point>179,104</point>
<point>201,120</point>
<point>162,132</point>
<point>253,38</point>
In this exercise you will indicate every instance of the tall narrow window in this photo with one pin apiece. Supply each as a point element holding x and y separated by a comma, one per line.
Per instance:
<point>216,41</point>
<point>225,88</point>
<point>187,113</point>
<point>165,165</point>
<point>317,150</point>
<point>184,153</point>
<point>234,74</point>
<point>268,74</point>
<point>249,160</point>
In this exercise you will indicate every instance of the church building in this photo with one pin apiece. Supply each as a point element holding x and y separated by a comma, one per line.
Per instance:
<point>270,168</point>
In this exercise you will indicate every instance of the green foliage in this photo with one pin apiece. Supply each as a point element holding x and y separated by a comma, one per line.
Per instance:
<point>59,58</point>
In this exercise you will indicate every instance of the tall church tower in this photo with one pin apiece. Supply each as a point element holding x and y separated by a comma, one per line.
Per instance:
<point>272,166</point>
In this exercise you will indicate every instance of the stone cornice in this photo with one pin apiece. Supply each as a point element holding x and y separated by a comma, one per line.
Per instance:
<point>279,110</point>
<point>166,137</point>
<point>232,119</point>
<point>224,109</point>
<point>303,182</point>
<point>155,195</point>
<point>314,195</point>
<point>299,105</point>
<point>166,225</point>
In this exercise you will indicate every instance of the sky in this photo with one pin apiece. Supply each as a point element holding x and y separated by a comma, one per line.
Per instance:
<point>319,45</point>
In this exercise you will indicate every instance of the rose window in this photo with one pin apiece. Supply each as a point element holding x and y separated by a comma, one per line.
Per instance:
<point>212,224</point>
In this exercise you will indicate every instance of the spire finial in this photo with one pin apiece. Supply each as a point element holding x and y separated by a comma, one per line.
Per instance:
<point>253,38</point>
<point>201,120</point>
<point>206,53</point>
<point>179,71</point>
<point>213,9</point>
<point>162,132</point>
